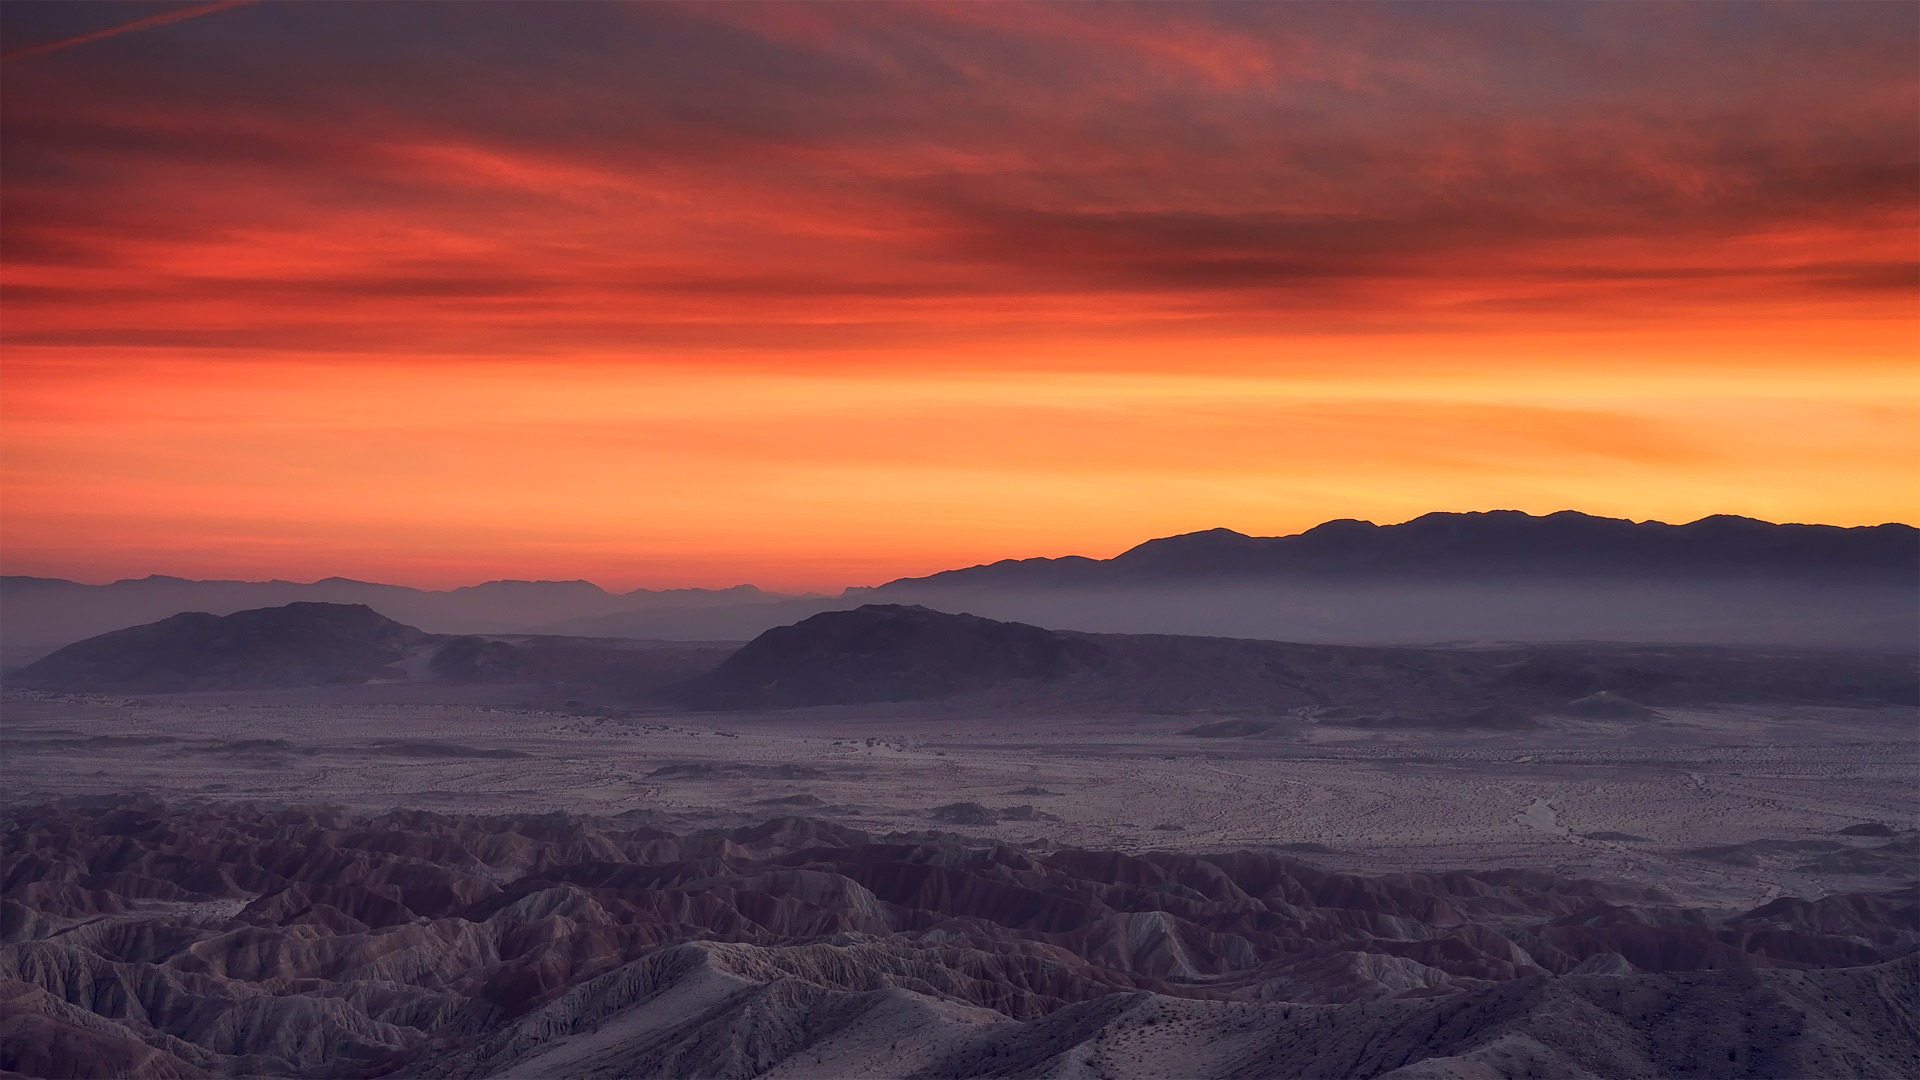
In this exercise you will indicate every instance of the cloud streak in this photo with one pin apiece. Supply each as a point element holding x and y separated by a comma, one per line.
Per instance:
<point>191,12</point>
<point>864,166</point>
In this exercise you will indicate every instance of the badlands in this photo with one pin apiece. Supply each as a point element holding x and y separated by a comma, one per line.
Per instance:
<point>1500,868</point>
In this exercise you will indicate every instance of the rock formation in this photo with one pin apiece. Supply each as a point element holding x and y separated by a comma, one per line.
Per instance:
<point>237,940</point>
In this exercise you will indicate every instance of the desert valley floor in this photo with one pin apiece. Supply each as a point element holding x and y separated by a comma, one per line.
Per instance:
<point>1730,806</point>
<point>419,877</point>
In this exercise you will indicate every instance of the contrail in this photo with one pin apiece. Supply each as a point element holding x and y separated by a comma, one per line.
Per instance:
<point>137,24</point>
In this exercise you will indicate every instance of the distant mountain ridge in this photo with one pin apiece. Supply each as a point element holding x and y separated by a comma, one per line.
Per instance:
<point>887,653</point>
<point>307,644</point>
<point>537,600</point>
<point>1494,575</point>
<point>42,613</point>
<point>1495,543</point>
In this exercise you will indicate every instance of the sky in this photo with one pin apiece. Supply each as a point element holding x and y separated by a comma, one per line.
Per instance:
<point>814,295</point>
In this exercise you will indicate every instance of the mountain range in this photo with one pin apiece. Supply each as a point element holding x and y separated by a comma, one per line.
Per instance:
<point>45,612</point>
<point>1498,575</point>
<point>881,653</point>
<point>1498,544</point>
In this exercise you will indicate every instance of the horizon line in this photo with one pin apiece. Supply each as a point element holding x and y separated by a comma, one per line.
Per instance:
<point>811,593</point>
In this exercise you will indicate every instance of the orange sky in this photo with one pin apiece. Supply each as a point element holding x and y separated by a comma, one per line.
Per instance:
<point>822,295</point>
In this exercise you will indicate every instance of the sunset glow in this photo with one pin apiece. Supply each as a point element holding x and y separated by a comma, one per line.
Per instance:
<point>822,295</point>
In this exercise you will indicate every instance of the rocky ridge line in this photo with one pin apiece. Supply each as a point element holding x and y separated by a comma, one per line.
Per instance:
<point>243,940</point>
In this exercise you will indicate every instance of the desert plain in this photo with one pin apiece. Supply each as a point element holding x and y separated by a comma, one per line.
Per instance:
<point>310,842</point>
<point>1727,806</point>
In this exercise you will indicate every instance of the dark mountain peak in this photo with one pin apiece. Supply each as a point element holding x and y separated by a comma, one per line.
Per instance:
<point>1485,515</point>
<point>1040,571</point>
<point>731,590</point>
<point>519,585</point>
<point>300,644</point>
<point>1485,523</point>
<point>307,613</point>
<point>170,584</point>
<point>741,593</point>
<point>1341,527</point>
<point>1207,545</point>
<point>22,582</point>
<point>1217,535</point>
<point>887,652</point>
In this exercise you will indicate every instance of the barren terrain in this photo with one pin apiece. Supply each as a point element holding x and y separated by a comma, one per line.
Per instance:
<point>1070,856</point>
<point>1636,800</point>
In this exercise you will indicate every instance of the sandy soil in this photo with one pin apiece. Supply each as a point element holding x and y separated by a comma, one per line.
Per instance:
<point>1365,800</point>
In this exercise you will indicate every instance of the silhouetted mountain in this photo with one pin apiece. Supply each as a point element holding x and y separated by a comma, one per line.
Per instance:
<point>1481,577</point>
<point>138,939</point>
<point>1497,576</point>
<point>301,644</point>
<point>887,652</point>
<point>880,653</point>
<point>1493,544</point>
<point>42,613</point>
<point>311,644</point>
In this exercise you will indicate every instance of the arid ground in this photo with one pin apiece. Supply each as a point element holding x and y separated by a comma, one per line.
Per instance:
<point>1728,806</point>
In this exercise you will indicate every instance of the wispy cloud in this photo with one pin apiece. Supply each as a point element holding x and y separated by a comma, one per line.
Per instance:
<point>162,19</point>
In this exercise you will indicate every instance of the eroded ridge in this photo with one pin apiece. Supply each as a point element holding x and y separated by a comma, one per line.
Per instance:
<point>163,941</point>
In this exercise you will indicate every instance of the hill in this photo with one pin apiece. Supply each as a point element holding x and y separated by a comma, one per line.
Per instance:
<point>310,644</point>
<point>45,613</point>
<point>300,644</point>
<point>887,652</point>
